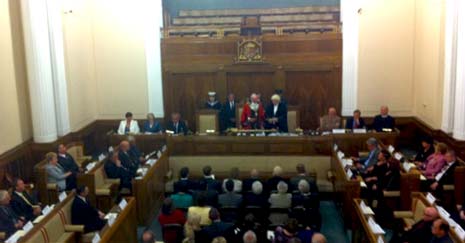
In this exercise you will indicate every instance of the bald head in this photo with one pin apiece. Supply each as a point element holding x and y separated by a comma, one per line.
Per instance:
<point>254,173</point>
<point>332,111</point>
<point>318,238</point>
<point>384,110</point>
<point>430,214</point>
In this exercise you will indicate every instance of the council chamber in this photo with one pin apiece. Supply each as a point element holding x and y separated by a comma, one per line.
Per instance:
<point>238,121</point>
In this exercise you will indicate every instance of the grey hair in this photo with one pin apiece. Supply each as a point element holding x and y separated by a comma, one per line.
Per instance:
<point>304,187</point>
<point>372,141</point>
<point>3,194</point>
<point>250,237</point>
<point>257,187</point>
<point>277,170</point>
<point>282,187</point>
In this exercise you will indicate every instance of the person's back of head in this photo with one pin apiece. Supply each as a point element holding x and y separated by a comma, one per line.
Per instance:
<point>257,188</point>
<point>282,187</point>
<point>318,238</point>
<point>214,214</point>
<point>201,199</point>
<point>303,186</point>
<point>148,236</point>
<point>167,207</point>
<point>300,168</point>
<point>234,173</point>
<point>219,240</point>
<point>229,185</point>
<point>277,171</point>
<point>207,170</point>
<point>249,237</point>
<point>184,172</point>
<point>294,240</point>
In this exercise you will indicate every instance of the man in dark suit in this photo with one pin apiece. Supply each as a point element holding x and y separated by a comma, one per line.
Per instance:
<point>302,175</point>
<point>356,121</point>
<point>421,231</point>
<point>185,182</point>
<point>68,164</point>
<point>230,198</point>
<point>208,181</point>
<point>276,114</point>
<point>115,170</point>
<point>228,113</point>
<point>217,227</point>
<point>83,213</point>
<point>445,176</point>
<point>22,203</point>
<point>9,221</point>
<point>384,120</point>
<point>126,159</point>
<point>364,163</point>
<point>176,125</point>
<point>247,183</point>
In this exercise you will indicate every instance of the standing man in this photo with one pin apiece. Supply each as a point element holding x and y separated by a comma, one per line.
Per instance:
<point>253,114</point>
<point>228,114</point>
<point>276,114</point>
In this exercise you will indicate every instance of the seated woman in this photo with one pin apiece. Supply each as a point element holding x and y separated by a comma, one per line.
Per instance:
<point>192,229</point>
<point>434,163</point>
<point>201,209</point>
<point>427,149</point>
<point>256,197</point>
<point>282,199</point>
<point>234,176</point>
<point>128,125</point>
<point>287,232</point>
<point>151,126</point>
<point>306,206</point>
<point>170,215</point>
<point>56,174</point>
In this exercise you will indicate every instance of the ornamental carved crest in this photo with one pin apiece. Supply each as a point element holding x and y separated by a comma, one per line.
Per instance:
<point>249,51</point>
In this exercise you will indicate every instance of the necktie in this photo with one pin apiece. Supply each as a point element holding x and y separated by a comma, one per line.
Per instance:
<point>25,199</point>
<point>231,104</point>
<point>176,127</point>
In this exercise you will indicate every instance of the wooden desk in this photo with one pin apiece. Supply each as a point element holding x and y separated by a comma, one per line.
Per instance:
<point>363,233</point>
<point>124,229</point>
<point>150,189</point>
<point>145,142</point>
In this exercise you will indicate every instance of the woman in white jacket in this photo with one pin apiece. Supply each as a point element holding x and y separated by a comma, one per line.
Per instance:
<point>128,125</point>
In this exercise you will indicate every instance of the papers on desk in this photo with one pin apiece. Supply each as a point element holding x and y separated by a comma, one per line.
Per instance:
<point>123,204</point>
<point>38,219</point>
<point>90,166</point>
<point>111,217</point>
<point>363,184</point>
<point>380,240</point>
<point>46,210</point>
<point>442,212</point>
<point>151,162</point>
<point>110,149</point>
<point>340,154</point>
<point>325,133</point>
<point>339,131</point>
<point>141,172</point>
<point>375,228</point>
<point>101,157</point>
<point>335,147</point>
<point>460,232</point>
<point>398,156</point>
<point>62,196</point>
<point>430,198</point>
<point>163,149</point>
<point>451,222</point>
<point>159,154</point>
<point>96,238</point>
<point>408,166</point>
<point>28,226</point>
<point>391,149</point>
<point>347,162</point>
<point>15,237</point>
<point>359,131</point>
<point>365,209</point>
<point>349,174</point>
<point>422,178</point>
<point>148,156</point>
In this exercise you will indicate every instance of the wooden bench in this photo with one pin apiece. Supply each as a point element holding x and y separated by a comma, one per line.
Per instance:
<point>364,232</point>
<point>150,189</point>
<point>124,229</point>
<point>55,226</point>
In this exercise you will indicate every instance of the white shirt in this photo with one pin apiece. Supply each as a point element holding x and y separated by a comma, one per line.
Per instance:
<point>275,109</point>
<point>133,127</point>
<point>231,105</point>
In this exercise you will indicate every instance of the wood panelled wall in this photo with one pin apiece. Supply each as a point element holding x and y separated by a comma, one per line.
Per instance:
<point>306,67</point>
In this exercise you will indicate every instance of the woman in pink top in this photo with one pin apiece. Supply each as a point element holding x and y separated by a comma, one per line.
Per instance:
<point>434,162</point>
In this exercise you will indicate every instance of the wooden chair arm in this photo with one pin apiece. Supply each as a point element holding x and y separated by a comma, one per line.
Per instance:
<point>391,193</point>
<point>52,186</point>
<point>403,214</point>
<point>113,181</point>
<point>74,228</point>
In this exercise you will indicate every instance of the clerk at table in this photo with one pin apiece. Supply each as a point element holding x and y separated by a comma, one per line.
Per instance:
<point>128,125</point>
<point>151,126</point>
<point>383,120</point>
<point>356,121</point>
<point>176,125</point>
<point>330,121</point>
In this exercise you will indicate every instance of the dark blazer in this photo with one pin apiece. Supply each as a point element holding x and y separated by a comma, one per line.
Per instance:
<point>210,184</point>
<point>247,184</point>
<point>252,199</point>
<point>68,163</point>
<point>128,161</point>
<point>155,128</point>
<point>84,214</point>
<point>182,128</point>
<point>308,201</point>
<point>216,106</point>
<point>217,229</point>
<point>422,155</point>
<point>379,123</point>
<point>350,123</point>
<point>294,183</point>
<point>115,172</point>
<point>272,183</point>
<point>448,177</point>
<point>21,207</point>
<point>135,153</point>
<point>227,114</point>
<point>8,219</point>
<point>281,114</point>
<point>189,184</point>
<point>230,199</point>
<point>420,232</point>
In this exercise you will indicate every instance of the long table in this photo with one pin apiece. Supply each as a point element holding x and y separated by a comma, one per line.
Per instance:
<point>124,229</point>
<point>256,145</point>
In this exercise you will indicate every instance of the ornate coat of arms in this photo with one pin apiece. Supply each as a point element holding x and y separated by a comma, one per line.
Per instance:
<point>249,51</point>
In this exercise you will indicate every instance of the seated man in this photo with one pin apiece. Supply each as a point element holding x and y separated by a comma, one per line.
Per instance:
<point>330,121</point>
<point>253,114</point>
<point>281,199</point>
<point>208,181</point>
<point>184,181</point>
<point>356,121</point>
<point>148,236</point>
<point>126,159</point>
<point>68,163</point>
<point>201,209</point>
<point>182,199</point>
<point>82,213</point>
<point>230,198</point>
<point>440,231</point>
<point>234,176</point>
<point>57,175</point>
<point>302,175</point>
<point>9,221</point>
<point>128,125</point>
<point>115,170</point>
<point>383,120</point>
<point>176,125</point>
<point>247,183</point>
<point>421,231</point>
<point>212,102</point>
<point>228,113</point>
<point>363,164</point>
<point>22,203</point>
<point>445,176</point>
<point>134,152</point>
<point>217,227</point>
<point>272,183</point>
<point>306,206</point>
<point>256,197</point>
<point>276,115</point>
